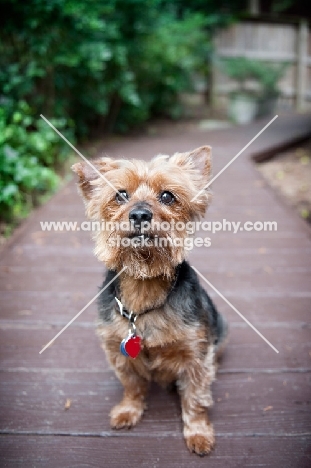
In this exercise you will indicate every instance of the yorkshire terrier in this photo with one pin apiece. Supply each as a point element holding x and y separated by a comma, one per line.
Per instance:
<point>156,321</point>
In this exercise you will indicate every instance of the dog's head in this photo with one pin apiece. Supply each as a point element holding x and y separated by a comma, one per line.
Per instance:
<point>144,209</point>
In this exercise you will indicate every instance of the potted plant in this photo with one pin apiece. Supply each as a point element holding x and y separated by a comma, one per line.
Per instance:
<point>268,76</point>
<point>243,101</point>
<point>257,87</point>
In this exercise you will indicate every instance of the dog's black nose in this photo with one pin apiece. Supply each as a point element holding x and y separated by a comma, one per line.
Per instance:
<point>139,215</point>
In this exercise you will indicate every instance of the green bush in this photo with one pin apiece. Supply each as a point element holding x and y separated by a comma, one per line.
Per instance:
<point>27,148</point>
<point>105,65</point>
<point>266,75</point>
<point>170,54</point>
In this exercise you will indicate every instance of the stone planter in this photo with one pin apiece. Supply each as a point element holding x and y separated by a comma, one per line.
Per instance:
<point>242,108</point>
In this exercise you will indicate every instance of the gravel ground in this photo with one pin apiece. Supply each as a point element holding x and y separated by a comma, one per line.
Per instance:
<point>290,174</point>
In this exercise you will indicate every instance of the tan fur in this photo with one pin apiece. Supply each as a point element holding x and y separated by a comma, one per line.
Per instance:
<point>189,172</point>
<point>141,295</point>
<point>172,351</point>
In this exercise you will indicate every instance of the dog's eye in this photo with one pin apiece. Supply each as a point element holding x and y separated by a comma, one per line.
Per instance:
<point>122,196</point>
<point>167,198</point>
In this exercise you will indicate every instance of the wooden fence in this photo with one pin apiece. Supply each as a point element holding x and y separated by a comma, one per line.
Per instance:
<point>268,42</point>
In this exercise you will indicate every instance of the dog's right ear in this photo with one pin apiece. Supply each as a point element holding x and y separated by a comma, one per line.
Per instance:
<point>91,174</point>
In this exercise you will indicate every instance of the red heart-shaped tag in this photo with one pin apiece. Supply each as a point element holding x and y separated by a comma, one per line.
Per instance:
<point>133,346</point>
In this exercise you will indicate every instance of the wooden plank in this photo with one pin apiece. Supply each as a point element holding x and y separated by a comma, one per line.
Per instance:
<point>79,346</point>
<point>246,245</point>
<point>264,55</point>
<point>245,404</point>
<point>49,307</point>
<point>55,310</point>
<point>86,283</point>
<point>148,451</point>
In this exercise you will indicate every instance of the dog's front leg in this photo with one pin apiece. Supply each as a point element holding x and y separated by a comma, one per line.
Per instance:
<point>198,431</point>
<point>130,410</point>
<point>195,392</point>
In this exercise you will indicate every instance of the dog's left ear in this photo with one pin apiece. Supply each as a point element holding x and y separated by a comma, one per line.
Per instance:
<point>199,159</point>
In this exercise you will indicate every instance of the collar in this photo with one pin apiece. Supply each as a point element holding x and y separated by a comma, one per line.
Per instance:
<point>125,313</point>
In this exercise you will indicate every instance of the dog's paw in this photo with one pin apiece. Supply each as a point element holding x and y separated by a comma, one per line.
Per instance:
<point>200,444</point>
<point>125,415</point>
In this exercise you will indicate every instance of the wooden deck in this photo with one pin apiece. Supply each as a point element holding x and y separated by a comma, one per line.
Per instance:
<point>262,411</point>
